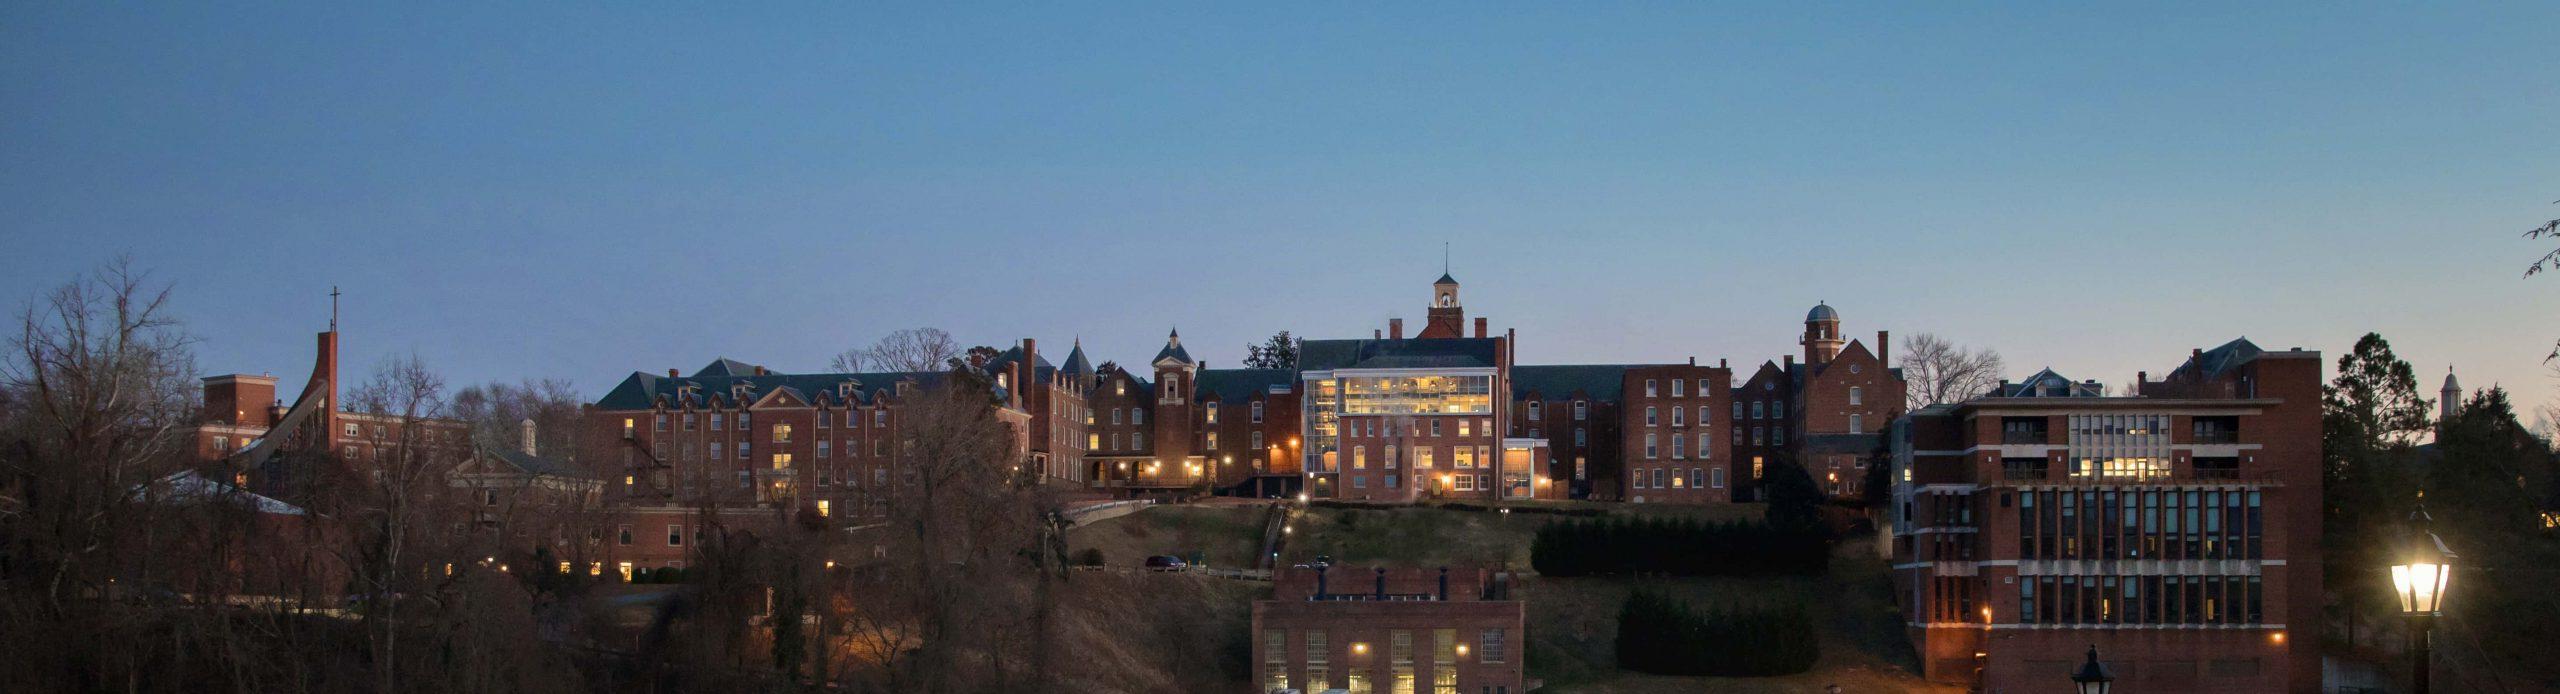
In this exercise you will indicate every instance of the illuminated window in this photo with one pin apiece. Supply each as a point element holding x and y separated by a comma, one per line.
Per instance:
<point>1213,442</point>
<point>825,508</point>
<point>782,433</point>
<point>1210,412</point>
<point>782,461</point>
<point>625,568</point>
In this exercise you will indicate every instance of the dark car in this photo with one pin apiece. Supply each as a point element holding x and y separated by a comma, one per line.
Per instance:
<point>1167,562</point>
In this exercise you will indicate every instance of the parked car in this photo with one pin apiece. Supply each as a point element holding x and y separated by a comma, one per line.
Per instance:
<point>1167,562</point>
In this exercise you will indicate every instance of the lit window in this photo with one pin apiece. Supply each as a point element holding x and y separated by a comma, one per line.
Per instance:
<point>782,433</point>
<point>1210,411</point>
<point>825,508</point>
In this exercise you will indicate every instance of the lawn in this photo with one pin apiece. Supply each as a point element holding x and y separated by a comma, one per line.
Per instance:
<point>1227,536</point>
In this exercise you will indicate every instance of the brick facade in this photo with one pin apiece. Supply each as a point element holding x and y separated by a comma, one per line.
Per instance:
<point>2176,530</point>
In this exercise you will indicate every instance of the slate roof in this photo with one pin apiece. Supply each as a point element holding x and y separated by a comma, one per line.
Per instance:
<point>2047,384</point>
<point>1077,365</point>
<point>1173,350</point>
<point>642,389</point>
<point>2215,362</point>
<point>1241,384</point>
<point>1600,381</point>
<point>1411,353</point>
<point>532,464</point>
<point>725,366</point>
<point>1446,279</point>
<point>1040,371</point>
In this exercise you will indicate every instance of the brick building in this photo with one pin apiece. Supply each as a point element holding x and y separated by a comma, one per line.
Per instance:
<point>1401,419</point>
<point>1428,631</point>
<point>1649,433</point>
<point>1828,413</point>
<point>2176,529</point>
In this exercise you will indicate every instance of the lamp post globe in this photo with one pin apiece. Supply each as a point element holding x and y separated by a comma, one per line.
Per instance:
<point>2093,676</point>
<point>2419,579</point>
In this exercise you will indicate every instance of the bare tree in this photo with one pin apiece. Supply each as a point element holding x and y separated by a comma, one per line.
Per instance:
<point>913,349</point>
<point>496,413</point>
<point>92,396</point>
<point>397,474</point>
<point>1940,371</point>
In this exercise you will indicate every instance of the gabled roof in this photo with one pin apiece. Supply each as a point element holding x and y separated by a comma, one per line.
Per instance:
<point>532,464</point>
<point>2213,363</point>
<point>1241,384</point>
<point>1600,381</point>
<point>1446,279</point>
<point>725,366</point>
<point>1040,370</point>
<point>2047,384</point>
<point>642,390</point>
<point>1411,353</point>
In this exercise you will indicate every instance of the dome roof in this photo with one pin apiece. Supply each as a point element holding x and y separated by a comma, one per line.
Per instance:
<point>1821,311</point>
<point>2450,385</point>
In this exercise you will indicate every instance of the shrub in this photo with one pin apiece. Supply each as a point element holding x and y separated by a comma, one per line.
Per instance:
<point>1678,547</point>
<point>1663,636</point>
<point>1090,556</point>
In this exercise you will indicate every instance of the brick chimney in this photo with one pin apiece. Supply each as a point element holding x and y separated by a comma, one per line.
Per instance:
<point>1395,328</point>
<point>671,373</point>
<point>1479,326</point>
<point>1884,343</point>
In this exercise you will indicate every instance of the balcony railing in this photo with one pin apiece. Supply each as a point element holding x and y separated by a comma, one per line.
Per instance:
<point>2030,438</point>
<point>2215,436</point>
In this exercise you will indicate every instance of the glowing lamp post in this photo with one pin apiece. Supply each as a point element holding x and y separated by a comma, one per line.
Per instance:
<point>2093,677</point>
<point>2419,581</point>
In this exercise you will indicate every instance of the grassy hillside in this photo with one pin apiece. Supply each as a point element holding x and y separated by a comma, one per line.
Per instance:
<point>1226,535</point>
<point>1573,630</point>
<point>1572,621</point>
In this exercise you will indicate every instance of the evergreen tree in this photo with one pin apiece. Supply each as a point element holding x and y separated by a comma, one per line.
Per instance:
<point>1279,352</point>
<point>2481,493</point>
<point>2371,415</point>
<point>1795,502</point>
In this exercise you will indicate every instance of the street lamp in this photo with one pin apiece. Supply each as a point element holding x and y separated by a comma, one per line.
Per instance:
<point>2093,677</point>
<point>2419,581</point>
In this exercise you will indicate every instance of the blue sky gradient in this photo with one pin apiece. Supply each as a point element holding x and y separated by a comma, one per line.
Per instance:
<point>581,191</point>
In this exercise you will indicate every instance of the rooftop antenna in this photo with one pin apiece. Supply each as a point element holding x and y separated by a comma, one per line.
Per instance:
<point>333,308</point>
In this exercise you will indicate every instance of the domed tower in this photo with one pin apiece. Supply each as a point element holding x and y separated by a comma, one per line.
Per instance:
<point>1821,334</point>
<point>2451,394</point>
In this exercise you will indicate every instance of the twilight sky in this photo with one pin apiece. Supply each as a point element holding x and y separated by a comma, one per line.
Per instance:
<point>583,191</point>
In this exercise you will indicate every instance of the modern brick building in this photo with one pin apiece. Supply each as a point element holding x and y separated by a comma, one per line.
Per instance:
<point>1401,419</point>
<point>1428,631</point>
<point>2176,529</point>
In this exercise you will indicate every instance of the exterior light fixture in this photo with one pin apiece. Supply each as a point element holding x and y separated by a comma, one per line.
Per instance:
<point>2093,676</point>
<point>2419,581</point>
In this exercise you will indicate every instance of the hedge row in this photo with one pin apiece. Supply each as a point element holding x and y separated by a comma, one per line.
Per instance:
<point>1667,637</point>
<point>1677,547</point>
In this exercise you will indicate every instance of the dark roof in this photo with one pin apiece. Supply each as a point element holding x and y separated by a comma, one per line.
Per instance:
<point>1040,371</point>
<point>1822,311</point>
<point>1242,384</point>
<point>1412,353</point>
<point>2047,384</point>
<point>725,366</point>
<point>642,390</point>
<point>1077,365</point>
<point>1600,381</point>
<point>2220,360</point>
<point>533,464</point>
<point>1446,279</point>
<point>1173,349</point>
